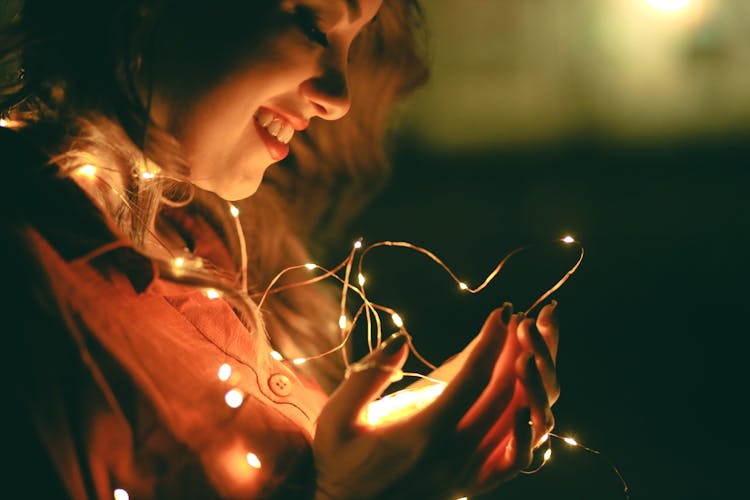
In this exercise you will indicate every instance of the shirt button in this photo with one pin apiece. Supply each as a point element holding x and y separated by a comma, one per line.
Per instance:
<point>280,384</point>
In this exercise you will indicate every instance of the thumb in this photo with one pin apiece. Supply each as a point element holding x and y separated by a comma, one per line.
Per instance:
<point>367,379</point>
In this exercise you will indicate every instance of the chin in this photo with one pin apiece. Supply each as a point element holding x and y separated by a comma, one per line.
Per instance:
<point>233,190</point>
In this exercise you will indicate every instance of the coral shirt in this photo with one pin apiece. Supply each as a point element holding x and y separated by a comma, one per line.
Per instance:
<point>124,387</point>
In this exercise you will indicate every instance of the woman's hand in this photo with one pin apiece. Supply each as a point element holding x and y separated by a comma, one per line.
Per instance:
<point>471,438</point>
<point>536,367</point>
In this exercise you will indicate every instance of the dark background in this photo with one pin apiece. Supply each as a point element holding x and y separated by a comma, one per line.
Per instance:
<point>625,123</point>
<point>653,323</point>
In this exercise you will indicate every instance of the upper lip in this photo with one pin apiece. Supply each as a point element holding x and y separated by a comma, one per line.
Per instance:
<point>296,121</point>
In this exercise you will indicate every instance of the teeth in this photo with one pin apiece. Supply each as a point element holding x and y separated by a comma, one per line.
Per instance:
<point>274,127</point>
<point>265,117</point>
<point>286,134</point>
<point>277,127</point>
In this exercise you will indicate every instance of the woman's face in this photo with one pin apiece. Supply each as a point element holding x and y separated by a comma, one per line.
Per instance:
<point>236,92</point>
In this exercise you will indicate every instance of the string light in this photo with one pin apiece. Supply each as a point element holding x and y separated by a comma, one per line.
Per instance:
<point>87,170</point>
<point>574,443</point>
<point>253,460</point>
<point>394,406</point>
<point>3,122</point>
<point>225,371</point>
<point>120,494</point>
<point>275,355</point>
<point>397,320</point>
<point>234,398</point>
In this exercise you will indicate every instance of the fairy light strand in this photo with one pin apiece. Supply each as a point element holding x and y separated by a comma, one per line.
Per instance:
<point>572,442</point>
<point>234,397</point>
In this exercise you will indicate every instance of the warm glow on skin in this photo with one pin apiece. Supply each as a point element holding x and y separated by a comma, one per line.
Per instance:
<point>400,404</point>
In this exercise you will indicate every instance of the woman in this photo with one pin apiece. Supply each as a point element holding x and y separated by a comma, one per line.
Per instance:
<point>135,123</point>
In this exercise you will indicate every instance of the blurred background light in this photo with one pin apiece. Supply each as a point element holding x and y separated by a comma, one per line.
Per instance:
<point>518,72</point>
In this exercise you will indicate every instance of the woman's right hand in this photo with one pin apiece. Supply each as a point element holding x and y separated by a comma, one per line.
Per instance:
<point>454,447</point>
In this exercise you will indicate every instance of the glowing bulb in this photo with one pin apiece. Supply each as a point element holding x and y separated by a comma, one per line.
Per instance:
<point>669,5</point>
<point>3,122</point>
<point>253,460</point>
<point>275,355</point>
<point>299,361</point>
<point>225,371</point>
<point>463,498</point>
<point>234,398</point>
<point>212,294</point>
<point>147,175</point>
<point>310,266</point>
<point>121,494</point>
<point>571,441</point>
<point>179,262</point>
<point>547,454</point>
<point>87,170</point>
<point>397,320</point>
<point>400,404</point>
<point>361,279</point>
<point>544,439</point>
<point>463,286</point>
<point>342,322</point>
<point>568,239</point>
<point>357,244</point>
<point>234,211</point>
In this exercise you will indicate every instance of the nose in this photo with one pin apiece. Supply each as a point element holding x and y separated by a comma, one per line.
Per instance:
<point>329,93</point>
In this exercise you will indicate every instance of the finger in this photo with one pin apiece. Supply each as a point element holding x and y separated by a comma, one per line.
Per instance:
<point>473,376</point>
<point>548,326</point>
<point>536,395</point>
<point>366,380</point>
<point>496,398</point>
<point>531,339</point>
<point>511,457</point>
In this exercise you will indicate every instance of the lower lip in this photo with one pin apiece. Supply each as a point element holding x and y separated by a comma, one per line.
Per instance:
<point>276,149</point>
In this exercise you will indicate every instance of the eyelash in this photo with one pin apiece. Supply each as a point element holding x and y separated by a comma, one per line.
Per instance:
<point>308,23</point>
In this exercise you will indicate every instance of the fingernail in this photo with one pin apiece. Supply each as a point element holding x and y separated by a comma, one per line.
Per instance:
<point>553,312</point>
<point>507,312</point>
<point>394,343</point>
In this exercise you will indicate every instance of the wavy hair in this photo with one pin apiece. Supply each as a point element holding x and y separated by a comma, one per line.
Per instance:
<point>77,95</point>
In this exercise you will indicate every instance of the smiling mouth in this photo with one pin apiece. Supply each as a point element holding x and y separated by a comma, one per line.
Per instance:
<point>275,131</point>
